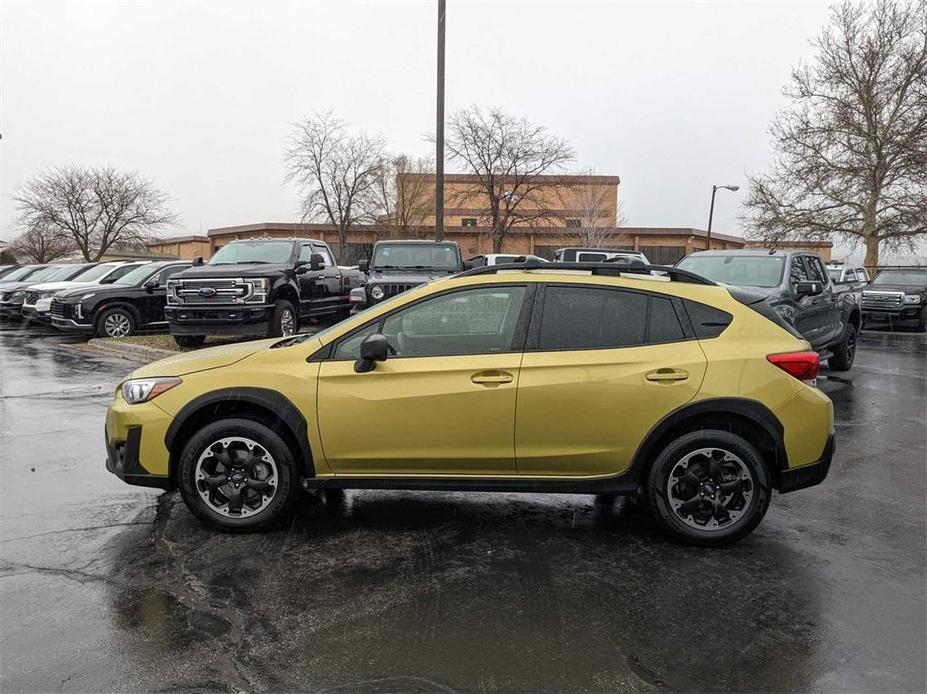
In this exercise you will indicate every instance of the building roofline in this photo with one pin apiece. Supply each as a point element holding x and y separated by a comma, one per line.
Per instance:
<point>572,179</point>
<point>178,239</point>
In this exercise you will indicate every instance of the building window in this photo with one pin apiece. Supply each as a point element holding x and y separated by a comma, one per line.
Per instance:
<point>663,255</point>
<point>468,222</point>
<point>573,223</point>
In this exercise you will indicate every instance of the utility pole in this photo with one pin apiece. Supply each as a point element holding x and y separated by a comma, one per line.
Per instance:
<point>711,210</point>
<point>439,131</point>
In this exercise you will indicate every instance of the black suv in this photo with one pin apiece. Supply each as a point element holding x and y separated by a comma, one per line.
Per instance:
<point>898,296</point>
<point>400,265</point>
<point>132,303</point>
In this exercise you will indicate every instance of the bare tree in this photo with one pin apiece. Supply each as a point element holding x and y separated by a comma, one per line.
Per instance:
<point>597,211</point>
<point>337,172</point>
<point>405,196</point>
<point>508,157</point>
<point>95,208</point>
<point>851,160</point>
<point>42,245</point>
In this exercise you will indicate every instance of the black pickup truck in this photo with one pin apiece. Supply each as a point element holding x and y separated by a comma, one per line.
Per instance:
<point>396,266</point>
<point>899,296</point>
<point>258,287</point>
<point>796,285</point>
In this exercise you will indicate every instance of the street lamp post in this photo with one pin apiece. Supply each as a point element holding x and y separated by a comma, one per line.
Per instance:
<point>711,210</point>
<point>439,130</point>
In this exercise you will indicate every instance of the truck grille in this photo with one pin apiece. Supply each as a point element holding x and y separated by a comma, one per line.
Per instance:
<point>208,292</point>
<point>394,289</point>
<point>873,299</point>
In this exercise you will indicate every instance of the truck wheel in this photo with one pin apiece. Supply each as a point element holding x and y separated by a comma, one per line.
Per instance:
<point>284,321</point>
<point>116,322</point>
<point>238,475</point>
<point>844,351</point>
<point>708,488</point>
<point>191,341</point>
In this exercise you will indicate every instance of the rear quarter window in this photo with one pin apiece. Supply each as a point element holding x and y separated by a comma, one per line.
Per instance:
<point>707,321</point>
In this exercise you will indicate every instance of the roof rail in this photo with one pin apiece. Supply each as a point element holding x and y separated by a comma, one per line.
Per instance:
<point>607,268</point>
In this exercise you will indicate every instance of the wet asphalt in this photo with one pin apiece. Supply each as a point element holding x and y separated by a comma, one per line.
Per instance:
<point>107,587</point>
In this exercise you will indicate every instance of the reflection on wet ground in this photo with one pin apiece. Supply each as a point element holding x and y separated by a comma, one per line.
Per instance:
<point>109,587</point>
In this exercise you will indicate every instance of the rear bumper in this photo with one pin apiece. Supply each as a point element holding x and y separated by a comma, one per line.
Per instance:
<point>219,320</point>
<point>793,479</point>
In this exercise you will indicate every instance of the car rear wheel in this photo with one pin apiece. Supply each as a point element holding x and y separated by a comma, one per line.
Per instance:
<point>708,488</point>
<point>845,351</point>
<point>190,341</point>
<point>116,322</point>
<point>284,321</point>
<point>238,475</point>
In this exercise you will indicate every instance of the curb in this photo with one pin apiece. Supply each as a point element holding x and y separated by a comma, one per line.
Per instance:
<point>129,351</point>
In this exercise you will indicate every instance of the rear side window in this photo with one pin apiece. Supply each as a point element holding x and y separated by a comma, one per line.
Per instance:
<point>600,318</point>
<point>707,321</point>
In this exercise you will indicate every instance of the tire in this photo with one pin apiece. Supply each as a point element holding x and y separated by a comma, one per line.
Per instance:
<point>191,341</point>
<point>686,454</point>
<point>285,321</point>
<point>203,459</point>
<point>116,322</point>
<point>845,351</point>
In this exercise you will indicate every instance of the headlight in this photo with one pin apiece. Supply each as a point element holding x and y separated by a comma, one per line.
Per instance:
<point>358,296</point>
<point>376,292</point>
<point>47,294</point>
<point>144,389</point>
<point>912,298</point>
<point>18,294</point>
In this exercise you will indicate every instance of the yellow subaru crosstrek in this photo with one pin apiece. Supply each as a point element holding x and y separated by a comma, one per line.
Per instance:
<point>565,378</point>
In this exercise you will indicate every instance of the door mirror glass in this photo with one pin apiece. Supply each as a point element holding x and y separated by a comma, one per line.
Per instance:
<point>363,265</point>
<point>316,261</point>
<point>808,288</point>
<point>374,348</point>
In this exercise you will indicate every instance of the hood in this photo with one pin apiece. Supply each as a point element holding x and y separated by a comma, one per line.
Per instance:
<point>81,288</point>
<point>13,286</point>
<point>49,286</point>
<point>406,276</point>
<point>909,288</point>
<point>749,295</point>
<point>202,359</point>
<point>237,270</point>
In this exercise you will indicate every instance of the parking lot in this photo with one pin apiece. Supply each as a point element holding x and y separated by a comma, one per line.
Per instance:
<point>109,587</point>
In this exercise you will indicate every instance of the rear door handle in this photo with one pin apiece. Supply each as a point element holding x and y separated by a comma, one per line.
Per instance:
<point>667,375</point>
<point>492,377</point>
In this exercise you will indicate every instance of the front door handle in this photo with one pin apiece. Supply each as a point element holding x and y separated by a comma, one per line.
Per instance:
<point>661,375</point>
<point>492,378</point>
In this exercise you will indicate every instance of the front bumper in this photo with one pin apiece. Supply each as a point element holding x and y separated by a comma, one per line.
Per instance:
<point>910,312</point>
<point>135,448</point>
<point>219,320</point>
<point>10,310</point>
<point>33,313</point>
<point>69,325</point>
<point>793,479</point>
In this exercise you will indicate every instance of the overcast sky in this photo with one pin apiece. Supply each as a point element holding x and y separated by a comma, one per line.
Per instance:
<point>201,96</point>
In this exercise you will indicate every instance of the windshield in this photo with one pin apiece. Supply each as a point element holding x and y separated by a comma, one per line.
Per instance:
<point>903,277</point>
<point>257,252</point>
<point>94,273</point>
<point>739,270</point>
<point>834,275</point>
<point>138,275</point>
<point>413,256</point>
<point>46,274</point>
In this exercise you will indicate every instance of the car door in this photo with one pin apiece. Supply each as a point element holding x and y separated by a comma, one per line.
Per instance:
<point>443,403</point>
<point>155,300</point>
<point>602,365</point>
<point>827,309</point>
<point>312,292</point>
<point>806,311</point>
<point>332,293</point>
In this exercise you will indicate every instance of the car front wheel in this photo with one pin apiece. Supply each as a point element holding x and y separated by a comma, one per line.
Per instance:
<point>116,322</point>
<point>708,488</point>
<point>238,475</point>
<point>284,322</point>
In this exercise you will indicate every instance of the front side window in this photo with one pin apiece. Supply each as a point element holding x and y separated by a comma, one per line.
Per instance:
<point>326,256</point>
<point>797,271</point>
<point>815,270</point>
<point>473,321</point>
<point>592,318</point>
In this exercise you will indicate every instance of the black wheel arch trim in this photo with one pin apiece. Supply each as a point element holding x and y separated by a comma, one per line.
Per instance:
<point>751,409</point>
<point>272,401</point>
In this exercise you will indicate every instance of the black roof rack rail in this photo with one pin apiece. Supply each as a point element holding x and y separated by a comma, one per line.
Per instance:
<point>606,268</point>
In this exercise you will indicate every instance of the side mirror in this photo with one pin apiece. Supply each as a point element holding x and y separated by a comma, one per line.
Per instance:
<point>316,261</point>
<point>808,288</point>
<point>363,265</point>
<point>374,348</point>
<point>151,285</point>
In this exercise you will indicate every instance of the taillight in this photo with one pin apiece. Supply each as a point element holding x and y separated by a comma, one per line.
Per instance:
<point>802,365</point>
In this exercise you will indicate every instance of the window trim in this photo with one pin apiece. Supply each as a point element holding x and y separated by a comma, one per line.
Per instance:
<point>327,352</point>
<point>534,328</point>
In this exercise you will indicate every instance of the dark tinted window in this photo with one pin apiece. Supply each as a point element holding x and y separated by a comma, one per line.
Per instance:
<point>168,271</point>
<point>591,318</point>
<point>797,272</point>
<point>664,325</point>
<point>707,321</point>
<point>815,269</point>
